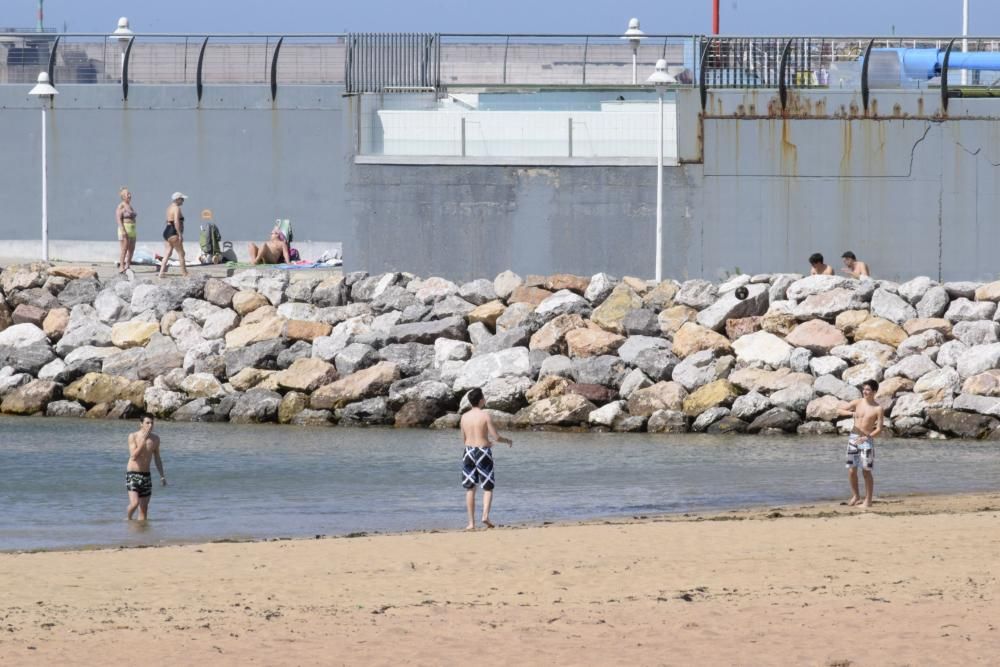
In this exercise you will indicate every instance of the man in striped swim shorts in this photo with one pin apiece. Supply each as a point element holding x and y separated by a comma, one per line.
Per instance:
<point>479,434</point>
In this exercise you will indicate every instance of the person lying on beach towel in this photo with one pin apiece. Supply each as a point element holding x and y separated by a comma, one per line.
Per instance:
<point>273,251</point>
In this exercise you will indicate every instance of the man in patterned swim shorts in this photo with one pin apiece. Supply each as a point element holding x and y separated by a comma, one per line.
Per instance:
<point>143,447</point>
<point>479,434</point>
<point>868,417</point>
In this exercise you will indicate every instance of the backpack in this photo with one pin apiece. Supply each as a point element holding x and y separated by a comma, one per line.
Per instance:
<point>211,243</point>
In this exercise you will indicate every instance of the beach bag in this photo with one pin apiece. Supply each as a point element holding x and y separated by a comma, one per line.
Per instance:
<point>210,240</point>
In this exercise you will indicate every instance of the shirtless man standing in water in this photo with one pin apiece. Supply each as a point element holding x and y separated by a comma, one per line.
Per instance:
<point>143,446</point>
<point>868,416</point>
<point>477,463</point>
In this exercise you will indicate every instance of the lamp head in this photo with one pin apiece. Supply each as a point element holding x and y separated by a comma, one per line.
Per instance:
<point>660,76</point>
<point>123,32</point>
<point>634,35</point>
<point>43,88</point>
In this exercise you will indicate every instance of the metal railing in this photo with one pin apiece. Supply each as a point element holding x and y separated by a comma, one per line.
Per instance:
<point>373,62</point>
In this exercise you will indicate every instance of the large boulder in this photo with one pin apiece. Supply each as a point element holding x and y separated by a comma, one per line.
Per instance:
<point>22,335</point>
<point>720,393</point>
<point>748,406</point>
<point>428,332</point>
<point>505,284</point>
<point>795,398</point>
<point>563,302</point>
<point>984,405</point>
<point>419,413</point>
<point>828,304</point>
<point>915,289</point>
<point>697,294</point>
<point>163,402</point>
<point>961,424</point>
<point>692,338</point>
<point>934,303</point>
<point>508,338</point>
<point>729,306</point>
<point>263,355</point>
<point>330,292</point>
<point>565,410</point>
<point>480,369</point>
<point>358,386</point>
<point>552,336</point>
<point>30,398</point>
<point>660,396</point>
<point>615,307</point>
<point>661,297</point>
<point>256,406</point>
<point>606,370</point>
<point>700,368</point>
<point>778,419</point>
<point>306,374</point>
<point>965,310</point>
<point>409,358</point>
<point>817,336</point>
<point>673,318</point>
<point>592,342</point>
<point>488,313</point>
<point>506,393</point>
<point>891,307</point>
<point>912,367</point>
<point>762,348</point>
<point>94,388</point>
<point>247,334</point>
<point>978,359</point>
<point>977,332</point>
<point>667,421</point>
<point>478,292</point>
<point>28,314</point>
<point>633,346</point>
<point>132,334</point>
<point>23,276</point>
<point>369,412</point>
<point>812,285</point>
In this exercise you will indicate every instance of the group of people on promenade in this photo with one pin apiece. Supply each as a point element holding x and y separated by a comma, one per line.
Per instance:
<point>275,250</point>
<point>853,266</point>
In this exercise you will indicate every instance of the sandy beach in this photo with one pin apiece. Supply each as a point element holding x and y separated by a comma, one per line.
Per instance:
<point>911,582</point>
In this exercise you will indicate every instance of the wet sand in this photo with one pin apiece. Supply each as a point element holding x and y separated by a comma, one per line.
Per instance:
<point>913,581</point>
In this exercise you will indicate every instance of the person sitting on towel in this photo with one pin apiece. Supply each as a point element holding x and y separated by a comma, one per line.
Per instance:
<point>273,251</point>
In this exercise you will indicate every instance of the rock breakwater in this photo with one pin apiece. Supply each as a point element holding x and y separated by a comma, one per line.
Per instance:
<point>548,351</point>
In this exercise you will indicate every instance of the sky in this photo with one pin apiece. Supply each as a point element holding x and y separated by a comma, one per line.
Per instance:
<point>744,17</point>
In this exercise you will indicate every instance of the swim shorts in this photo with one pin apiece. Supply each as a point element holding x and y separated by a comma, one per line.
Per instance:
<point>129,231</point>
<point>477,468</point>
<point>140,482</point>
<point>860,452</point>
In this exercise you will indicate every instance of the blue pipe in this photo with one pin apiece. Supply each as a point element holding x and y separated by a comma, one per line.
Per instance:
<point>927,63</point>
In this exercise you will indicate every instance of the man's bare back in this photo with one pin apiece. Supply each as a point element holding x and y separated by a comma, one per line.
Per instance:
<point>477,429</point>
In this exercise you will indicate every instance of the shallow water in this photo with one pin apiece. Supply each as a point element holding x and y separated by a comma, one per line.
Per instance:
<point>62,481</point>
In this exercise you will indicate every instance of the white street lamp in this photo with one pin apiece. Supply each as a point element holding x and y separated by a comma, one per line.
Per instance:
<point>634,37</point>
<point>660,78</point>
<point>44,91</point>
<point>965,42</point>
<point>123,34</point>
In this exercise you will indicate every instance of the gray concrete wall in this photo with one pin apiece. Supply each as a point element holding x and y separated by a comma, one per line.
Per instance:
<point>236,153</point>
<point>912,192</point>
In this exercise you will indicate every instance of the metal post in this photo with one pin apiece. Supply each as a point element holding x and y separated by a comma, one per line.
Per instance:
<point>965,42</point>
<point>659,190</point>
<point>570,136</point>
<point>45,193</point>
<point>635,52</point>
<point>463,136</point>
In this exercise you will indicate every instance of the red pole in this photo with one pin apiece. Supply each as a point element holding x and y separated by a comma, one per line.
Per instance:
<point>715,17</point>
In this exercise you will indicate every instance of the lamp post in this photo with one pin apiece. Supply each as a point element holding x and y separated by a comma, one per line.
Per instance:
<point>44,91</point>
<point>634,37</point>
<point>123,34</point>
<point>965,42</point>
<point>660,78</point>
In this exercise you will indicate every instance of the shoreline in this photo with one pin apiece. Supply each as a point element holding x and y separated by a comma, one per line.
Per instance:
<point>820,508</point>
<point>912,581</point>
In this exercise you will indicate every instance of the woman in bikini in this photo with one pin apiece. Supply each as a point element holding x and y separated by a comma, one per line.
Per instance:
<point>173,233</point>
<point>125,218</point>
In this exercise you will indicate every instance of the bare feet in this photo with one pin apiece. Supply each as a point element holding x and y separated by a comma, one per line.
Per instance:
<point>471,526</point>
<point>867,504</point>
<point>853,501</point>
<point>488,523</point>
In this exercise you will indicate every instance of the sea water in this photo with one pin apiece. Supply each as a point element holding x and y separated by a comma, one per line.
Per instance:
<point>62,481</point>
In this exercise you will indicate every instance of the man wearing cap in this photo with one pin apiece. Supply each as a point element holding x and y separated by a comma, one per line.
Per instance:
<point>173,233</point>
